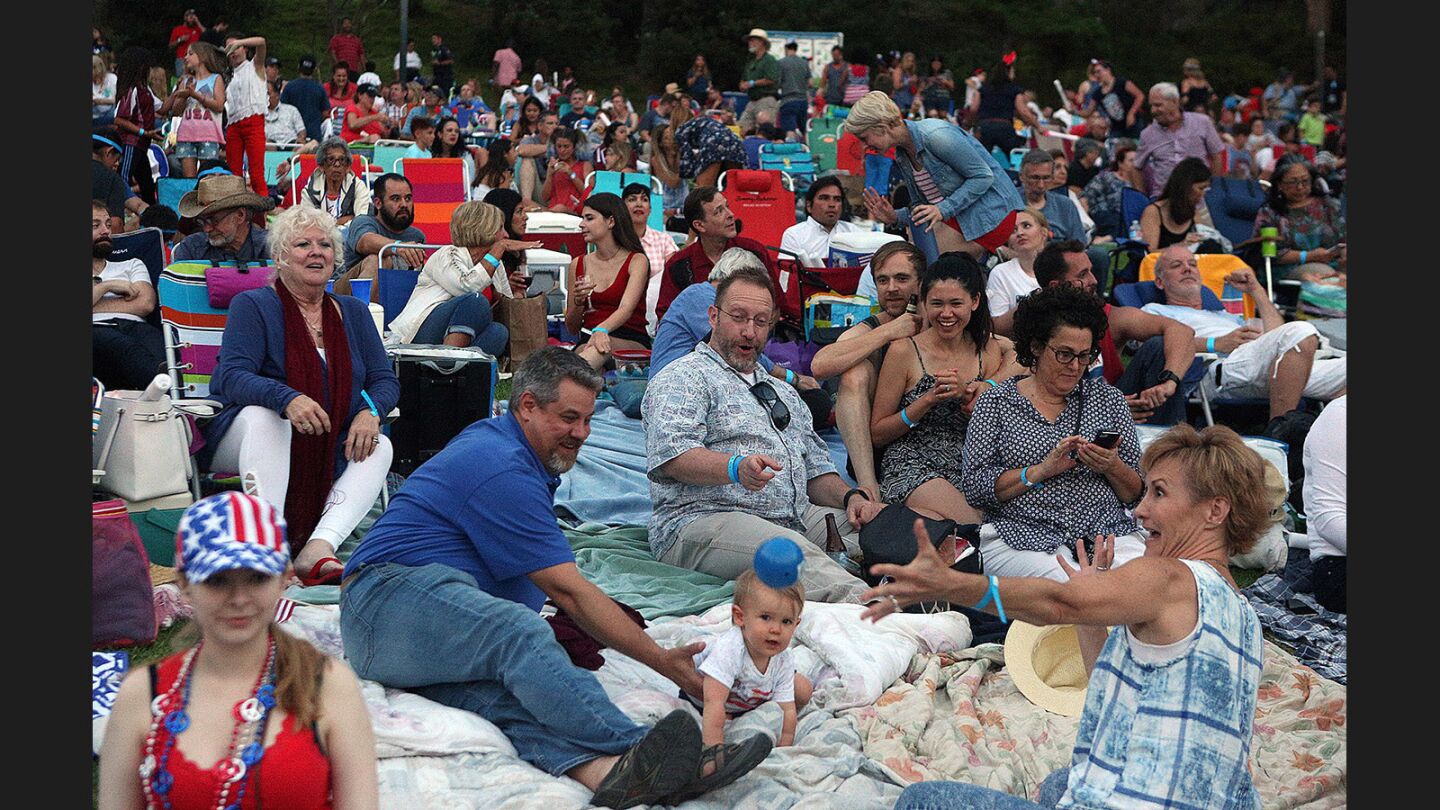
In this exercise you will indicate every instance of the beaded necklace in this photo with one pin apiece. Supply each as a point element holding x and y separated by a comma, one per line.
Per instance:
<point>246,740</point>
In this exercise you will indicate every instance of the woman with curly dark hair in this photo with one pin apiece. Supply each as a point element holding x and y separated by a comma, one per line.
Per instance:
<point>1051,457</point>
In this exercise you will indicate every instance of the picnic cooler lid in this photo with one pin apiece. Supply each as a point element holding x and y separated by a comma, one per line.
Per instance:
<point>552,222</point>
<point>854,248</point>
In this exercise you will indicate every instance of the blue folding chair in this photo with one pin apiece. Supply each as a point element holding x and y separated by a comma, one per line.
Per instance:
<point>793,159</point>
<point>147,245</point>
<point>169,190</point>
<point>608,182</point>
<point>396,284</point>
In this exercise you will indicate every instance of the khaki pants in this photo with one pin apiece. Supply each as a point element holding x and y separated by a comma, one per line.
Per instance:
<point>724,544</point>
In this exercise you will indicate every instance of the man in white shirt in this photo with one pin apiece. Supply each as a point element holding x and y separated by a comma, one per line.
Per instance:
<point>283,123</point>
<point>810,240</point>
<point>658,246</point>
<point>1277,361</point>
<point>1324,493</point>
<point>127,351</point>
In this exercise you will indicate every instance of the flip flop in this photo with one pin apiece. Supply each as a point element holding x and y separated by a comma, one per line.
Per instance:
<point>317,578</point>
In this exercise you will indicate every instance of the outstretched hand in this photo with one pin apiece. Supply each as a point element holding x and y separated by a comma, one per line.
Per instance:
<point>1104,557</point>
<point>925,578</point>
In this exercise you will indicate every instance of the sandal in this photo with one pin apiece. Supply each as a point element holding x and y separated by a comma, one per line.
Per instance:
<point>732,761</point>
<point>662,762</point>
<point>317,578</point>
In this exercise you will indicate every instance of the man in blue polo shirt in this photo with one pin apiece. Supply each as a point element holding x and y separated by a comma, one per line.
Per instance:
<point>441,598</point>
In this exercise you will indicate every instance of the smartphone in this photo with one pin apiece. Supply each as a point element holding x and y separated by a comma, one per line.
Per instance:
<point>1107,439</point>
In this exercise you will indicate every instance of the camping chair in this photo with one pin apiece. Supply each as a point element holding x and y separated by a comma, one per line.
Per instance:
<point>169,190</point>
<point>147,245</point>
<point>1125,258</point>
<point>796,283</point>
<point>440,186</point>
<point>304,166</point>
<point>1144,292</point>
<point>762,200</point>
<point>822,137</point>
<point>388,153</point>
<point>608,182</point>
<point>1214,267</point>
<point>275,154</point>
<point>793,159</point>
<point>1233,205</point>
<point>396,284</point>
<point>193,330</point>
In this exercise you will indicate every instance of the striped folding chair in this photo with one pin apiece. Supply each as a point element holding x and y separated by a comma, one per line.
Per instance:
<point>440,185</point>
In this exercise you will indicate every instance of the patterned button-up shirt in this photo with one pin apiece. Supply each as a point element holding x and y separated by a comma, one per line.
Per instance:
<point>1006,433</point>
<point>700,401</point>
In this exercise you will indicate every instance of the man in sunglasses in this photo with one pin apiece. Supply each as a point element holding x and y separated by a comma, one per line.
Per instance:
<point>733,461</point>
<point>1162,373</point>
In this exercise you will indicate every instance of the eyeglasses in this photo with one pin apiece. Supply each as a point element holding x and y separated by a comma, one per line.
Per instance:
<point>211,220</point>
<point>779,412</point>
<point>1296,182</point>
<point>335,161</point>
<point>761,322</point>
<point>1066,357</point>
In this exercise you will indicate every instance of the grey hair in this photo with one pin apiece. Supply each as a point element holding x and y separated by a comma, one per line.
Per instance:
<point>733,259</point>
<point>542,371</point>
<point>332,142</point>
<point>1167,90</point>
<point>295,220</point>
<point>1085,147</point>
<point>1035,156</point>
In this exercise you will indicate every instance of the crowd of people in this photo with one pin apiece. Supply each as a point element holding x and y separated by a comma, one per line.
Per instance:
<point>996,383</point>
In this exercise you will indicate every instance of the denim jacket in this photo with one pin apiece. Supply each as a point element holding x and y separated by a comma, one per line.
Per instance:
<point>978,192</point>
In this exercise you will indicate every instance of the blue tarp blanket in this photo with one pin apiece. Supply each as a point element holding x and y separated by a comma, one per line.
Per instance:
<point>1290,614</point>
<point>608,482</point>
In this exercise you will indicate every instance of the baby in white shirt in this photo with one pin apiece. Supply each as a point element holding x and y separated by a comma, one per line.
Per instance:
<point>751,662</point>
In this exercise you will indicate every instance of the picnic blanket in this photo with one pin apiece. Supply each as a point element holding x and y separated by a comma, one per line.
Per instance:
<point>618,561</point>
<point>959,716</point>
<point>1289,613</point>
<point>434,756</point>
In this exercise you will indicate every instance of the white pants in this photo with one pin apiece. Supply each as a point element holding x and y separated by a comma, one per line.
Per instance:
<point>1003,561</point>
<point>258,442</point>
<point>1246,372</point>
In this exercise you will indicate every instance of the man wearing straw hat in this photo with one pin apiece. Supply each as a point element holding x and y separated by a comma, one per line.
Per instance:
<point>760,79</point>
<point>222,205</point>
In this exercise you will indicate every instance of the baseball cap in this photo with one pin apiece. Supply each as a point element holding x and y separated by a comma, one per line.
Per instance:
<point>307,62</point>
<point>272,60</point>
<point>230,530</point>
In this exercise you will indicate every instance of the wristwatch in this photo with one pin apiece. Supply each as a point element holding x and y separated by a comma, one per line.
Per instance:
<point>1167,374</point>
<point>845,501</point>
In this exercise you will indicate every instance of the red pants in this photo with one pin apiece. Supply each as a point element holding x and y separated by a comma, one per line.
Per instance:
<point>246,139</point>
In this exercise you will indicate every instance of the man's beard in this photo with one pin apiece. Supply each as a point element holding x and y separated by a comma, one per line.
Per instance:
<point>399,222</point>
<point>100,248</point>
<point>556,464</point>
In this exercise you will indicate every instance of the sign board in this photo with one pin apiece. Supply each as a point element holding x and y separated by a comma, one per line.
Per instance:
<point>812,45</point>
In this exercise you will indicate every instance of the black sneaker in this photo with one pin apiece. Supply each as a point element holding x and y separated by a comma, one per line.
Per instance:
<point>732,761</point>
<point>664,761</point>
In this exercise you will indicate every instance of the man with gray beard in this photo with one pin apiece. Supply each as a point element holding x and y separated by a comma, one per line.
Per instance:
<point>734,460</point>
<point>443,595</point>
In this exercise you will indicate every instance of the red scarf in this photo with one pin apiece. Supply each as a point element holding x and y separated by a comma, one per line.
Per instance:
<point>312,456</point>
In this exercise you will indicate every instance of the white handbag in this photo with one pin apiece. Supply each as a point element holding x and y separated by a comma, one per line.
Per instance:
<point>145,451</point>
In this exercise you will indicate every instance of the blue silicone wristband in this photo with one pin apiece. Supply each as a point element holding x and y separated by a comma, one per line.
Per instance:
<point>1303,254</point>
<point>598,330</point>
<point>1024,479</point>
<point>904,417</point>
<point>993,384</point>
<point>985,599</point>
<point>1210,345</point>
<point>789,376</point>
<point>734,467</point>
<point>995,592</point>
<point>368,401</point>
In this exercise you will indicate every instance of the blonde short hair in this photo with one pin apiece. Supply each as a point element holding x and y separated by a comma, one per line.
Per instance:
<point>1216,463</point>
<point>873,111</point>
<point>475,224</point>
<point>749,583</point>
<point>295,220</point>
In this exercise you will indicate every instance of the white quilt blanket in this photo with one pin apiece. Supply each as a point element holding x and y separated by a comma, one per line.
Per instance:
<point>434,756</point>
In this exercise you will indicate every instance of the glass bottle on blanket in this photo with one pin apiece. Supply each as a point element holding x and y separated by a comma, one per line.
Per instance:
<point>835,546</point>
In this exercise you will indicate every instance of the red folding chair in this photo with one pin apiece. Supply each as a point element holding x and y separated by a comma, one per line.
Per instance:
<point>304,165</point>
<point>764,200</point>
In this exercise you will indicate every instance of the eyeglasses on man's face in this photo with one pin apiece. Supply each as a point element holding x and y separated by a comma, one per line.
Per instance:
<point>779,412</point>
<point>211,220</point>
<point>762,322</point>
<point>1065,357</point>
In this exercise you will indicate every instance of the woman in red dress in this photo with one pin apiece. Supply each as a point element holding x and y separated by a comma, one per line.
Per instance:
<point>607,285</point>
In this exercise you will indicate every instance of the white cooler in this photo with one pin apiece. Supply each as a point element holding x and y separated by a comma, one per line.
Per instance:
<point>547,275</point>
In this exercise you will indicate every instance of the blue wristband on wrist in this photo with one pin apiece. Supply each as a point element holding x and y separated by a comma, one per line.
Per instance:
<point>1303,254</point>
<point>599,330</point>
<point>993,384</point>
<point>368,401</point>
<point>1024,479</point>
<point>904,417</point>
<point>789,376</point>
<point>734,467</point>
<point>993,592</point>
<point>1210,345</point>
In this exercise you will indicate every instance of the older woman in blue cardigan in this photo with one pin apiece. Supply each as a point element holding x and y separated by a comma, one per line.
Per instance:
<point>303,378</point>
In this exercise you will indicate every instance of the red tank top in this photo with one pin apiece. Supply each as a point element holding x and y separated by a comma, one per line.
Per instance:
<point>1109,355</point>
<point>605,302</point>
<point>294,772</point>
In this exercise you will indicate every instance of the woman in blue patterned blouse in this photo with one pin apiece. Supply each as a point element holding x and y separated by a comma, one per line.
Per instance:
<point>1171,701</point>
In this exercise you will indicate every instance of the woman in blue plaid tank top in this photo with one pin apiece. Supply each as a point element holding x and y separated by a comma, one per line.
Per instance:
<point>1171,699</point>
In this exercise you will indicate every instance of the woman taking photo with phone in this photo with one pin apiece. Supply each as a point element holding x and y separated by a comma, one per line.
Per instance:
<point>1030,464</point>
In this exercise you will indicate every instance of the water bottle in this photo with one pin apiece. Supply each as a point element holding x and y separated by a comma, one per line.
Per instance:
<point>1135,230</point>
<point>158,387</point>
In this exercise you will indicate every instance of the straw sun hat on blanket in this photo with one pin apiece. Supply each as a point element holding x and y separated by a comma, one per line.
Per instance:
<point>1046,665</point>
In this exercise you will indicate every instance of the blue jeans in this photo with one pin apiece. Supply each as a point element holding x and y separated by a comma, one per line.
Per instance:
<point>792,115</point>
<point>1144,371</point>
<point>431,630</point>
<point>469,314</point>
<point>950,795</point>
